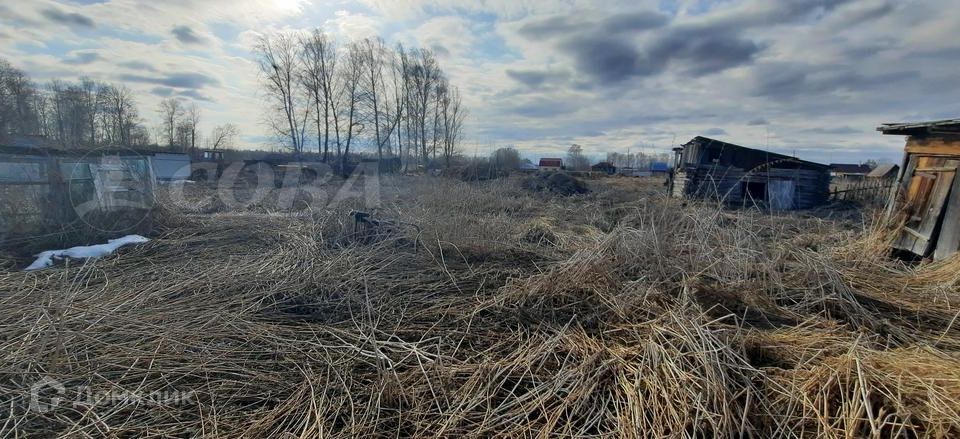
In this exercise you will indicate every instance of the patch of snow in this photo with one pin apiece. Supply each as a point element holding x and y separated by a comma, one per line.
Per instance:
<point>45,259</point>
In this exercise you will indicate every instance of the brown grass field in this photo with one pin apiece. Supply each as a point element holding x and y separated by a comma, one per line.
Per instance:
<point>618,313</point>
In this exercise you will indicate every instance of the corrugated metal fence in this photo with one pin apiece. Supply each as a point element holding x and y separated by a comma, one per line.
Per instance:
<point>42,191</point>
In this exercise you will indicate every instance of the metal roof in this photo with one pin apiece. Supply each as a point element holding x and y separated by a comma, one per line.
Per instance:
<point>945,126</point>
<point>551,162</point>
<point>882,170</point>
<point>771,156</point>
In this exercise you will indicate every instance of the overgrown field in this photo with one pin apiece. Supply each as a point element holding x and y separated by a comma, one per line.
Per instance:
<point>511,313</point>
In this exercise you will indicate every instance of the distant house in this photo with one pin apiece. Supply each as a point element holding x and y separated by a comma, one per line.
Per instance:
<point>886,171</point>
<point>708,168</point>
<point>604,167</point>
<point>659,168</point>
<point>927,193</point>
<point>849,171</point>
<point>551,164</point>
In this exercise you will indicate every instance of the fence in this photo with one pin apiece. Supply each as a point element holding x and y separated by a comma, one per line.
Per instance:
<point>867,191</point>
<point>42,192</point>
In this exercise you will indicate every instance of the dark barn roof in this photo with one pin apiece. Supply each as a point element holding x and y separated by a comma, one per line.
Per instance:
<point>946,126</point>
<point>749,158</point>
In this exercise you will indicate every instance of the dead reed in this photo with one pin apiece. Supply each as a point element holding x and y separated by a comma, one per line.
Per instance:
<point>617,313</point>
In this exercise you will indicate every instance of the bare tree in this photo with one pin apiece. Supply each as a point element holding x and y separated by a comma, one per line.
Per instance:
<point>90,106</point>
<point>278,57</point>
<point>506,159</point>
<point>222,136</point>
<point>192,120</point>
<point>439,95</point>
<point>400,93</point>
<point>374,53</point>
<point>423,74</point>
<point>453,117</point>
<point>86,113</point>
<point>170,110</point>
<point>56,88</point>
<point>576,160</point>
<point>319,61</point>
<point>352,75</point>
<point>122,113</point>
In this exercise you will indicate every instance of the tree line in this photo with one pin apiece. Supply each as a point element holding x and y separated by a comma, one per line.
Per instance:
<point>88,114</point>
<point>333,97</point>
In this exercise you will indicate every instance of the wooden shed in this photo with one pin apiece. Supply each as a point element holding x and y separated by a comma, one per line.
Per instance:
<point>604,167</point>
<point>708,168</point>
<point>927,192</point>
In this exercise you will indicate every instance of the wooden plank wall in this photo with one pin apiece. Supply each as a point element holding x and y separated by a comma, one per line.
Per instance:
<point>725,183</point>
<point>929,193</point>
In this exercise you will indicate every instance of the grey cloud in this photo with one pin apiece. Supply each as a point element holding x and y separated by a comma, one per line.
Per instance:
<point>609,59</point>
<point>195,95</point>
<point>81,58</point>
<point>715,132</point>
<point>175,80</point>
<point>566,25</point>
<point>704,50</point>
<point>550,27</point>
<point>862,13</point>
<point>440,50</point>
<point>186,35</point>
<point>636,21</point>
<point>534,78</point>
<point>767,13</point>
<point>166,92</point>
<point>138,65</point>
<point>163,92</point>
<point>698,47</point>
<point>68,18</point>
<point>544,108</point>
<point>697,52</point>
<point>789,80</point>
<point>834,130</point>
<point>758,122</point>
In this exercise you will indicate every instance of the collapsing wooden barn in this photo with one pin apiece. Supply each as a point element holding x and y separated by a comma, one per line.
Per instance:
<point>708,168</point>
<point>927,192</point>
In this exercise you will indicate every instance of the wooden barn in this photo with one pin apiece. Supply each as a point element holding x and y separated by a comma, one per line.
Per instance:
<point>708,168</point>
<point>927,192</point>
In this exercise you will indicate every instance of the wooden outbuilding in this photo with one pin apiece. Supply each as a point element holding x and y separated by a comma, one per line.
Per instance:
<point>604,167</point>
<point>927,193</point>
<point>734,174</point>
<point>885,171</point>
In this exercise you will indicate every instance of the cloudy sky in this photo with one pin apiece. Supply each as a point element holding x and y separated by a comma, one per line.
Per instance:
<point>810,77</point>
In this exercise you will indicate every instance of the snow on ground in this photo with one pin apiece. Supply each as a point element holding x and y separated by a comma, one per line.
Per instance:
<point>45,259</point>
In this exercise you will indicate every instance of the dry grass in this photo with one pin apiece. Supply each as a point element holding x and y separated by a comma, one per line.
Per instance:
<point>617,313</point>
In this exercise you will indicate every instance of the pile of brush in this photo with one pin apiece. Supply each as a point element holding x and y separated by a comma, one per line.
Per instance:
<point>522,319</point>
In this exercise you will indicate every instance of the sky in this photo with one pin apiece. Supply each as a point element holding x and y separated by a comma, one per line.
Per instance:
<point>811,78</point>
